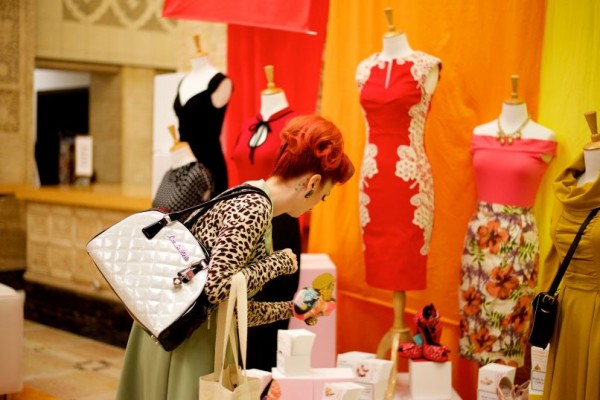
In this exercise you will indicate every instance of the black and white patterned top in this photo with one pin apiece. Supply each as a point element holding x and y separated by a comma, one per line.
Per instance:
<point>184,187</point>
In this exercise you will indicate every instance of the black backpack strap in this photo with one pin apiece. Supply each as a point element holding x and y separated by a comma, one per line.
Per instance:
<point>152,230</point>
<point>565,262</point>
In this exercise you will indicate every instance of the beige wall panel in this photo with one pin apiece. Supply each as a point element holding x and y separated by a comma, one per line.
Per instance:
<point>62,226</point>
<point>38,222</point>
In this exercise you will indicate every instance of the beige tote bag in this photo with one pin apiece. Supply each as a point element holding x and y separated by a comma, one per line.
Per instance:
<point>231,382</point>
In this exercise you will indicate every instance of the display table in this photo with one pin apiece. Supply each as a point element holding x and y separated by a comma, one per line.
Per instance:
<point>60,222</point>
<point>324,347</point>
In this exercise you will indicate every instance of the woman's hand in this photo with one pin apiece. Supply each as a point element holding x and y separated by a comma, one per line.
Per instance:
<point>293,259</point>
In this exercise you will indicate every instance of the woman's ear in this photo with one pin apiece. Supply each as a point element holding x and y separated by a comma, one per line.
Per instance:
<point>313,181</point>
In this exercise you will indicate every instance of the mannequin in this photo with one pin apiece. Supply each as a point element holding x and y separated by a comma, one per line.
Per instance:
<point>180,153</point>
<point>501,248</point>
<point>591,153</point>
<point>395,87</point>
<point>573,364</point>
<point>186,183</point>
<point>272,99</point>
<point>254,155</point>
<point>200,105</point>
<point>197,80</point>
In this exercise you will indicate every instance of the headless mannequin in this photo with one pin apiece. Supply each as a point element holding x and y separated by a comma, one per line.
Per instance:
<point>197,80</point>
<point>591,153</point>
<point>514,118</point>
<point>272,99</point>
<point>395,46</point>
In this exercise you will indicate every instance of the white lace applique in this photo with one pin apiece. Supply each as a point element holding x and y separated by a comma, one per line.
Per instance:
<point>367,170</point>
<point>369,165</point>
<point>363,71</point>
<point>412,164</point>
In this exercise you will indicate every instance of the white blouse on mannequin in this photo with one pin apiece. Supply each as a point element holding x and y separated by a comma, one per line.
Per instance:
<point>198,79</point>
<point>271,103</point>
<point>396,46</point>
<point>514,118</point>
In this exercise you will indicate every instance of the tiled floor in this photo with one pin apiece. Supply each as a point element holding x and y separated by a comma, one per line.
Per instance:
<point>67,366</point>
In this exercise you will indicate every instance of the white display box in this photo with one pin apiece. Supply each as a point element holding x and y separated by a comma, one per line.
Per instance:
<point>293,365</point>
<point>310,386</point>
<point>347,360</point>
<point>295,342</point>
<point>539,359</point>
<point>403,390</point>
<point>422,373</point>
<point>372,370</point>
<point>264,376</point>
<point>342,391</point>
<point>490,375</point>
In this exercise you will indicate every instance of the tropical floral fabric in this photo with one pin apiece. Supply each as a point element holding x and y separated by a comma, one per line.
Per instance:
<point>498,279</point>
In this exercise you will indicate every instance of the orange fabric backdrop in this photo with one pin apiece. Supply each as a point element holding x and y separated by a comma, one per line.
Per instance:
<point>480,46</point>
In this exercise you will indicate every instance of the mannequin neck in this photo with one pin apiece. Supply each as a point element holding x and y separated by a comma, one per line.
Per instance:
<point>181,155</point>
<point>591,159</point>
<point>512,116</point>
<point>272,103</point>
<point>199,63</point>
<point>395,47</point>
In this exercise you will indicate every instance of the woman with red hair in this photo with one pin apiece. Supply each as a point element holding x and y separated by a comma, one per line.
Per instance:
<point>237,233</point>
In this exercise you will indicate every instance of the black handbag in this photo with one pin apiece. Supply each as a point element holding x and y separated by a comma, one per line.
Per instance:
<point>545,304</point>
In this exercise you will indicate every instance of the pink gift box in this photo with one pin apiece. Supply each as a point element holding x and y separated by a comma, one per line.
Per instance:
<point>310,386</point>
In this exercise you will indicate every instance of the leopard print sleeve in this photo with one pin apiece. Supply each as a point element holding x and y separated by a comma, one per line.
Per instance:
<point>233,231</point>
<point>260,313</point>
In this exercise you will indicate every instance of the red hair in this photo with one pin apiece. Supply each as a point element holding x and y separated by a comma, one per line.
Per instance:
<point>312,144</point>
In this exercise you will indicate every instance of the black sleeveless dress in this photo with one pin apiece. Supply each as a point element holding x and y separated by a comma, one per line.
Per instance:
<point>200,124</point>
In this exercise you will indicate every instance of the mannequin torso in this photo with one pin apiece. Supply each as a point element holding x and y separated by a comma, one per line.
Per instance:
<point>181,155</point>
<point>511,118</point>
<point>592,167</point>
<point>270,103</point>
<point>198,79</point>
<point>396,47</point>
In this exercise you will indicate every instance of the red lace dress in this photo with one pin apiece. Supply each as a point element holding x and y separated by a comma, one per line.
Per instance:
<point>396,187</point>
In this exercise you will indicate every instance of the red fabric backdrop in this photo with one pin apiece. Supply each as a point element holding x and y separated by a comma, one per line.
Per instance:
<point>297,61</point>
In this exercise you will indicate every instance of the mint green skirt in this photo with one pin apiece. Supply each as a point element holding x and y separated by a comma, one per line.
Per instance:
<point>151,373</point>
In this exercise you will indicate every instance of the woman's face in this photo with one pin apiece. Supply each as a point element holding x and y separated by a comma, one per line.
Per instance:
<point>303,204</point>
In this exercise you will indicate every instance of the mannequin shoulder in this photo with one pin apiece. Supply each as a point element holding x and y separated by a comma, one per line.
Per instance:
<point>487,129</point>
<point>533,130</point>
<point>364,67</point>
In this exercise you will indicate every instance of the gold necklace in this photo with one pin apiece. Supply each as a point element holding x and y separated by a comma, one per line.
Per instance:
<point>505,137</point>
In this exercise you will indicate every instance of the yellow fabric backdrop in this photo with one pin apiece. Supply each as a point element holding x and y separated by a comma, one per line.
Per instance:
<point>480,44</point>
<point>570,86</point>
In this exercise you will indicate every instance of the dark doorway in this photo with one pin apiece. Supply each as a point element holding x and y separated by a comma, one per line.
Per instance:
<point>61,114</point>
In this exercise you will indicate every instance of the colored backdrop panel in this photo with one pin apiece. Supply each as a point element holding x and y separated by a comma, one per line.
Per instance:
<point>297,63</point>
<point>480,47</point>
<point>570,86</point>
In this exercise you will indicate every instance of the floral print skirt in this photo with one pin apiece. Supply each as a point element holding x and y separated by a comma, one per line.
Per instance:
<point>498,277</point>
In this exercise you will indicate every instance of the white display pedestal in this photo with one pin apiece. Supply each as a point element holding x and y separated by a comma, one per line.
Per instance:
<point>403,388</point>
<point>324,347</point>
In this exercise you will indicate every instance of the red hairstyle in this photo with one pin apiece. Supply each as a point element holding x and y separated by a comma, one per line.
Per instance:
<point>312,144</point>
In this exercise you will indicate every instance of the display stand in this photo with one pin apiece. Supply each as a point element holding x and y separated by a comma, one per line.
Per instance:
<point>324,347</point>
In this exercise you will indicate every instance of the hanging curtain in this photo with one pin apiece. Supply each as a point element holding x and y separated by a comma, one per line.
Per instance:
<point>480,47</point>
<point>570,86</point>
<point>296,60</point>
<point>306,16</point>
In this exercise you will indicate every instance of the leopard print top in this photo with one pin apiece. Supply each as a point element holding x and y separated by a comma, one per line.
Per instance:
<point>236,233</point>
